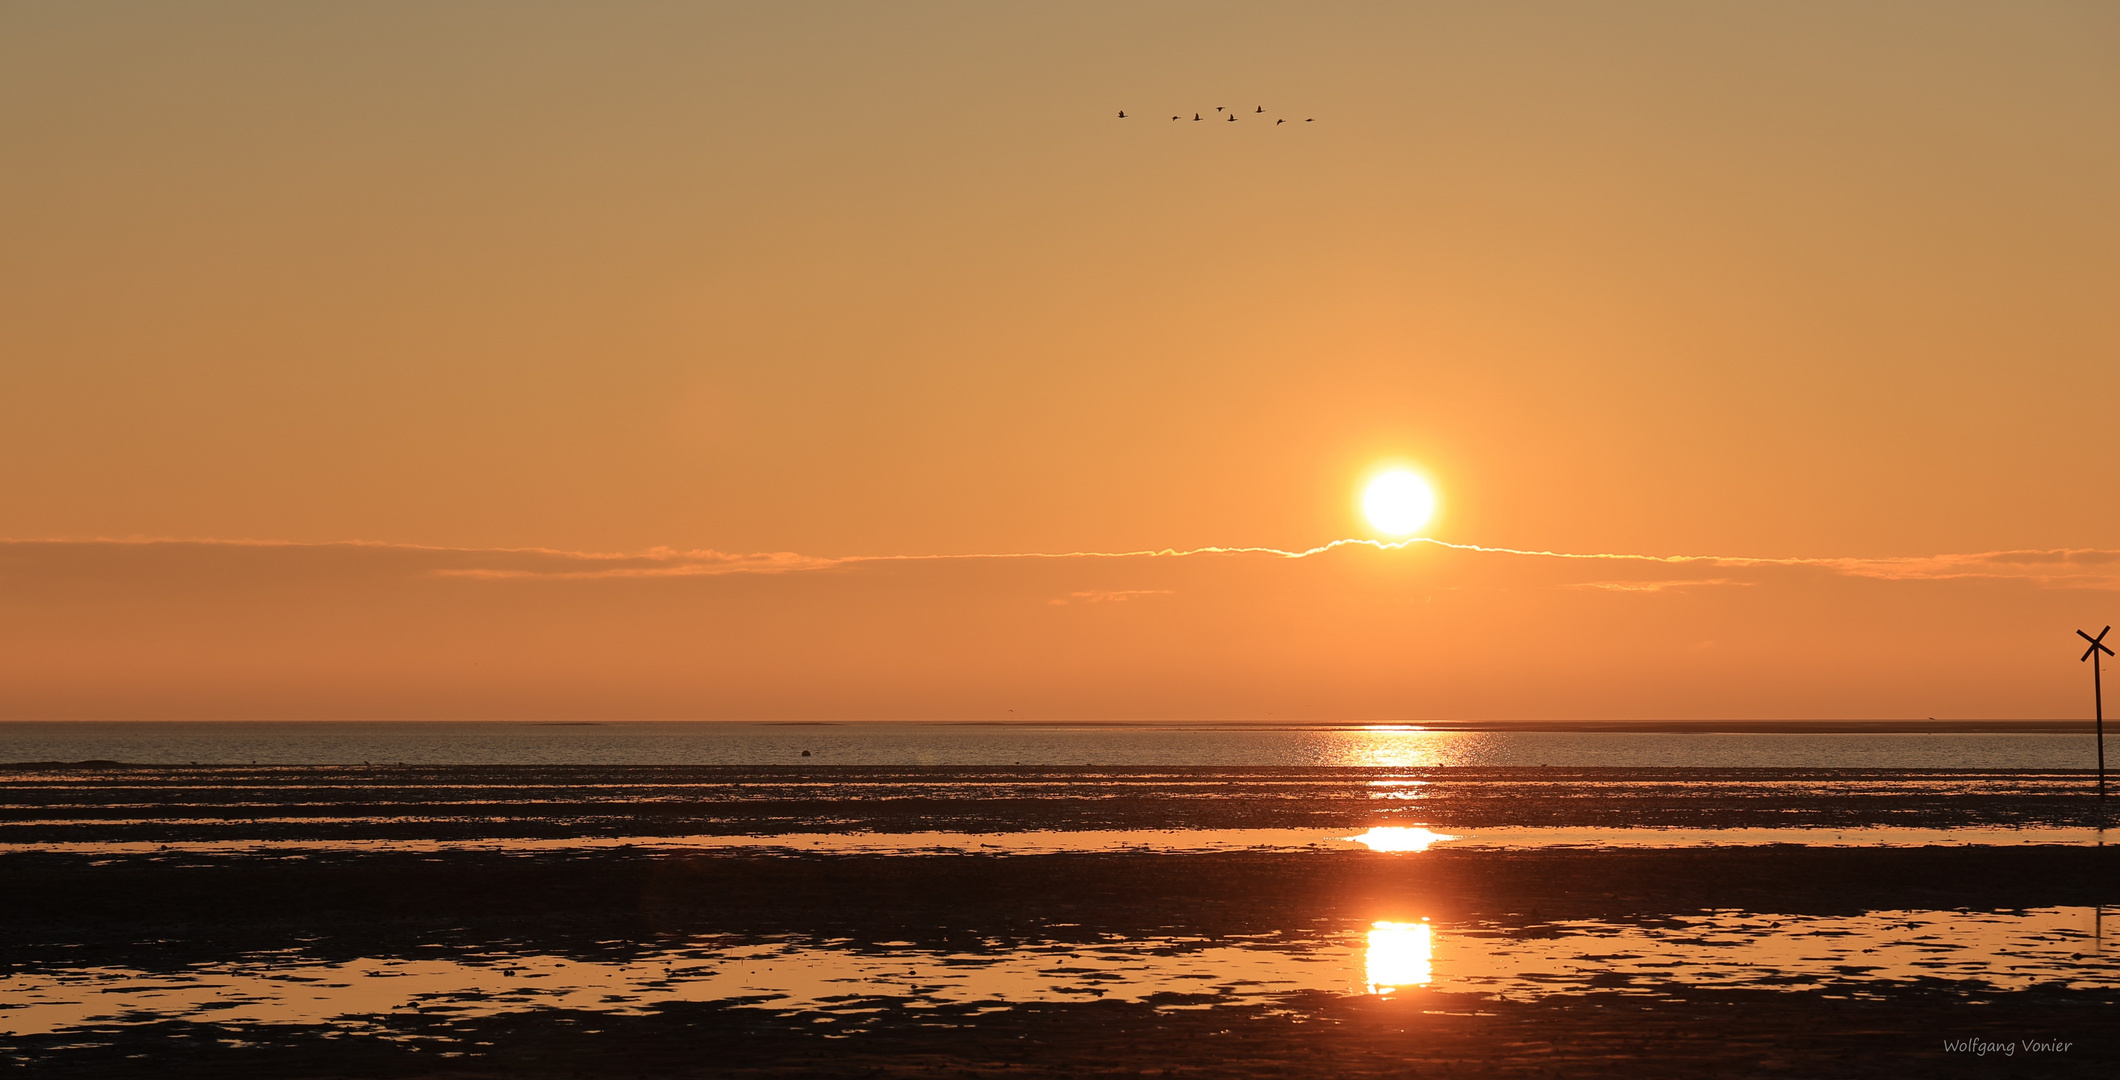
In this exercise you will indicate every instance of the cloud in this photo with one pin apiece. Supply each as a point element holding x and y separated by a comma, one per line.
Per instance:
<point>2081,568</point>
<point>447,562</point>
<point>655,562</point>
<point>2073,567</point>
<point>1108,596</point>
<point>146,627</point>
<point>1656,586</point>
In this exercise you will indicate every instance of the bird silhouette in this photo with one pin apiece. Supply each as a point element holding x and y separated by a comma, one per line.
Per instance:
<point>1310,120</point>
<point>1219,108</point>
<point>1261,108</point>
<point>1177,118</point>
<point>1278,123</point>
<point>1122,114</point>
<point>1232,118</point>
<point>1196,117</point>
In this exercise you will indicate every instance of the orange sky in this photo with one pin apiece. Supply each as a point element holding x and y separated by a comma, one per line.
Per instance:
<point>1823,281</point>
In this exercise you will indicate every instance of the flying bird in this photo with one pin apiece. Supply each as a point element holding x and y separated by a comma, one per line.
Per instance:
<point>1122,114</point>
<point>1177,118</point>
<point>1196,116</point>
<point>1261,108</point>
<point>1310,120</point>
<point>1219,108</point>
<point>1278,123</point>
<point>1232,118</point>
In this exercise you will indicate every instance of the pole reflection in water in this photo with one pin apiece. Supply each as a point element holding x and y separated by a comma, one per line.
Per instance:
<point>1399,955</point>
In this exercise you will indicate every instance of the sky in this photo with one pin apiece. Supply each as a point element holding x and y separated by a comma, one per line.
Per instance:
<point>638,360</point>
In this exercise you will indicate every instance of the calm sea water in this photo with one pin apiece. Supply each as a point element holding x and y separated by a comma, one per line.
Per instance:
<point>732,743</point>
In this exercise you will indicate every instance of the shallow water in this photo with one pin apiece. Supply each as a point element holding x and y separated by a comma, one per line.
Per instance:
<point>1395,954</point>
<point>1385,838</point>
<point>887,744</point>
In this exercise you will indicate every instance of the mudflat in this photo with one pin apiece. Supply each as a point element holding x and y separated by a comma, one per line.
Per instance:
<point>96,802</point>
<point>1690,961</point>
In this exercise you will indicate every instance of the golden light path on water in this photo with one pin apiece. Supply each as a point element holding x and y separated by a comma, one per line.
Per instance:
<point>1401,746</point>
<point>1399,955</point>
<point>1399,838</point>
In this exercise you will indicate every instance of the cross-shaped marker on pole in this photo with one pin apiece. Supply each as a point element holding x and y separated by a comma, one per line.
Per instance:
<point>2098,694</point>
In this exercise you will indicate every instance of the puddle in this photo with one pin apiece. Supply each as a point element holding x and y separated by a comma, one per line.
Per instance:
<point>783,975</point>
<point>1172,841</point>
<point>1405,954</point>
<point>1396,838</point>
<point>2006,951</point>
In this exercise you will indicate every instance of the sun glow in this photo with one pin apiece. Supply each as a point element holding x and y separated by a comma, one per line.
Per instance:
<point>1399,954</point>
<point>1398,503</point>
<point>1398,838</point>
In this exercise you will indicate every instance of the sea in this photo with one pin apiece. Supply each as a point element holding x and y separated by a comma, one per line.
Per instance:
<point>893,743</point>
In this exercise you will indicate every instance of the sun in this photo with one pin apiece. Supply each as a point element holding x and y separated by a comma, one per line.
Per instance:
<point>1398,503</point>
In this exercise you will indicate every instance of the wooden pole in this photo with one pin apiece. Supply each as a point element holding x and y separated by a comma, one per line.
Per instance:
<point>2098,697</point>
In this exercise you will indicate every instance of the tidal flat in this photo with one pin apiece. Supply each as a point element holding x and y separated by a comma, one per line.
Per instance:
<point>386,922</point>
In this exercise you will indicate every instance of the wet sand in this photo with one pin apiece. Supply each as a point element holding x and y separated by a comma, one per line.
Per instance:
<point>1716,1034</point>
<point>162,804</point>
<point>176,913</point>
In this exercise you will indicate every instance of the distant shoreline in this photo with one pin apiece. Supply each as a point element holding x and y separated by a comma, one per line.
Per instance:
<point>1681,727</point>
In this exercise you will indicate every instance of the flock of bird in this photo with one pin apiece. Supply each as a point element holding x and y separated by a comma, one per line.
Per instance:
<point>1232,115</point>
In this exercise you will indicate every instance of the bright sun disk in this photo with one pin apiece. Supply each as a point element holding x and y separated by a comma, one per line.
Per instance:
<point>1398,503</point>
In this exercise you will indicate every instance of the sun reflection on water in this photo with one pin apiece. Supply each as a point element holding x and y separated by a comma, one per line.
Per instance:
<point>1397,746</point>
<point>1399,838</point>
<point>1399,955</point>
